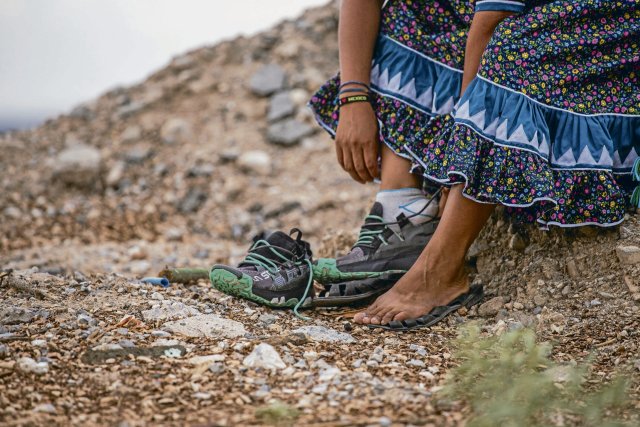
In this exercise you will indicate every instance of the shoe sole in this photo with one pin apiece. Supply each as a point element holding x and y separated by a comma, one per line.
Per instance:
<point>241,285</point>
<point>325,271</point>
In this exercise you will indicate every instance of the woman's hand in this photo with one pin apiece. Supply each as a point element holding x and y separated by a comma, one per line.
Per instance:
<point>357,141</point>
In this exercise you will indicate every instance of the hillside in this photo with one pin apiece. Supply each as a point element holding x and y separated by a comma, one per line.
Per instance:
<point>182,170</point>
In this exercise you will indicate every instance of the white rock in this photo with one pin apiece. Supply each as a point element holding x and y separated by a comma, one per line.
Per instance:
<point>169,310</point>
<point>329,373</point>
<point>264,356</point>
<point>27,364</point>
<point>176,131</point>
<point>79,165</point>
<point>628,255</point>
<point>46,408</point>
<point>323,334</point>
<point>206,325</point>
<point>206,360</point>
<point>255,161</point>
<point>131,134</point>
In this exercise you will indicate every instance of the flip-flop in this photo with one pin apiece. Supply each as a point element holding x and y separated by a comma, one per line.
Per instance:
<point>355,291</point>
<point>469,299</point>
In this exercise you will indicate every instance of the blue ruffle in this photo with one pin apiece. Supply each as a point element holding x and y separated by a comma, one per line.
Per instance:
<point>566,139</point>
<point>411,77</point>
<point>500,5</point>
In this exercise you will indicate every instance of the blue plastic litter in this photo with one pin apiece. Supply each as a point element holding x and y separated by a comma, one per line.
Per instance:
<point>160,281</point>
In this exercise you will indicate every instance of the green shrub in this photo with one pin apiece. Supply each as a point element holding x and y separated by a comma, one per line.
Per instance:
<point>277,413</point>
<point>511,381</point>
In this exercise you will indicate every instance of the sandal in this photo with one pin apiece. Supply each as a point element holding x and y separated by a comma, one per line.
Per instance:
<point>355,291</point>
<point>468,299</point>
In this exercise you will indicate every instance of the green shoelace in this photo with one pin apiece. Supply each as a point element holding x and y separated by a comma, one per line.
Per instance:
<point>368,236</point>
<point>272,267</point>
<point>635,173</point>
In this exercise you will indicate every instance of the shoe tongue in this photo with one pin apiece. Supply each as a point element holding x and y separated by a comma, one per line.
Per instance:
<point>376,209</point>
<point>277,241</point>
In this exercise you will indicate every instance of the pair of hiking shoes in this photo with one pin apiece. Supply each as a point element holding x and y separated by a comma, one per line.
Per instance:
<point>279,269</point>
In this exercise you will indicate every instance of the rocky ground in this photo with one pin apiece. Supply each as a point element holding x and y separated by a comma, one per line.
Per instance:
<point>182,170</point>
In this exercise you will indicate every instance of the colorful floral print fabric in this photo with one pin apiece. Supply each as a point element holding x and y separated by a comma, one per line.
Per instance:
<point>551,125</point>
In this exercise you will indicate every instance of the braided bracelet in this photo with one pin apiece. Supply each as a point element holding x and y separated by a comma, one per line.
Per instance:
<point>354,82</point>
<point>353,99</point>
<point>353,90</point>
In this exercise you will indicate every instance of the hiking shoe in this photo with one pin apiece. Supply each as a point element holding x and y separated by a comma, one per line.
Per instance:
<point>383,250</point>
<point>276,272</point>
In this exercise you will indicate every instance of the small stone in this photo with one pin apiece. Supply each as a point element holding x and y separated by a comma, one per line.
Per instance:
<point>216,368</point>
<point>264,356</point>
<point>169,310</point>
<point>16,315</point>
<point>206,325</point>
<point>539,300</point>
<point>115,174</point>
<point>138,154</point>
<point>267,318</point>
<point>131,134</point>
<point>518,306</point>
<point>176,131</point>
<point>267,80</point>
<point>416,363</point>
<point>280,106</point>
<point>160,334</point>
<point>572,269</point>
<point>428,375</point>
<point>566,290</point>
<point>157,296</point>
<point>126,344</point>
<point>329,373</point>
<point>4,350</point>
<point>79,166</point>
<point>372,364</point>
<point>384,422</point>
<point>85,320</point>
<point>377,355</point>
<point>517,242</point>
<point>255,161</point>
<point>206,360</point>
<point>491,307</point>
<point>28,365</point>
<point>39,343</point>
<point>324,334</point>
<point>628,255</point>
<point>12,212</point>
<point>288,132</point>
<point>46,408</point>
<point>202,396</point>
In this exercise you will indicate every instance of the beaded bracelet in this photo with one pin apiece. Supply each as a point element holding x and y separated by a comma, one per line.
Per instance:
<point>353,99</point>
<point>354,82</point>
<point>352,90</point>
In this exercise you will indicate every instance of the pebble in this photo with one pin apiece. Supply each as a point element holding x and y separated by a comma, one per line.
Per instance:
<point>518,306</point>
<point>216,368</point>
<point>206,325</point>
<point>491,307</point>
<point>328,373</point>
<point>4,350</point>
<point>39,343</point>
<point>162,334</point>
<point>267,318</point>
<point>268,80</point>
<point>46,408</point>
<point>79,166</point>
<point>157,296</point>
<point>264,356</point>
<point>288,132</point>
<point>416,363</point>
<point>384,422</point>
<point>176,131</point>
<point>27,364</point>
<point>168,310</point>
<point>280,106</point>
<point>86,320</point>
<point>255,161</point>
<point>16,315</point>
<point>206,360</point>
<point>628,255</point>
<point>377,355</point>
<point>324,334</point>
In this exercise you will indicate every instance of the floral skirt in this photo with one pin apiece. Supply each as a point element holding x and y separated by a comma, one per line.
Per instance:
<point>550,127</point>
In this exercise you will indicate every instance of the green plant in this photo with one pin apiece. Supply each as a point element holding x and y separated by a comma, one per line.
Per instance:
<point>511,381</point>
<point>277,413</point>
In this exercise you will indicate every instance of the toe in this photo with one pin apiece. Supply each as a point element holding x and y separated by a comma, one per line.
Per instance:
<point>400,316</point>
<point>358,318</point>
<point>375,320</point>
<point>389,316</point>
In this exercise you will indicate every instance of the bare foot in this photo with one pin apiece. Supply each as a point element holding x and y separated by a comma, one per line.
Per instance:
<point>419,291</point>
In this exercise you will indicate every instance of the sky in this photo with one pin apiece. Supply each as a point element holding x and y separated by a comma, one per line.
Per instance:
<point>56,54</point>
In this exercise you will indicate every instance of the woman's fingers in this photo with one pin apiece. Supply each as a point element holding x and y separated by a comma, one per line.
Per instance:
<point>349,165</point>
<point>358,156</point>
<point>371,160</point>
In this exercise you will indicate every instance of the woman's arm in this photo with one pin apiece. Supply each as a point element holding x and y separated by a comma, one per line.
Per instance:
<point>482,27</point>
<point>357,142</point>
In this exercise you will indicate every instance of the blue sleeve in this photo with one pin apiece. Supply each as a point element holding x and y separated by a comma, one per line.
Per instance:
<point>500,5</point>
